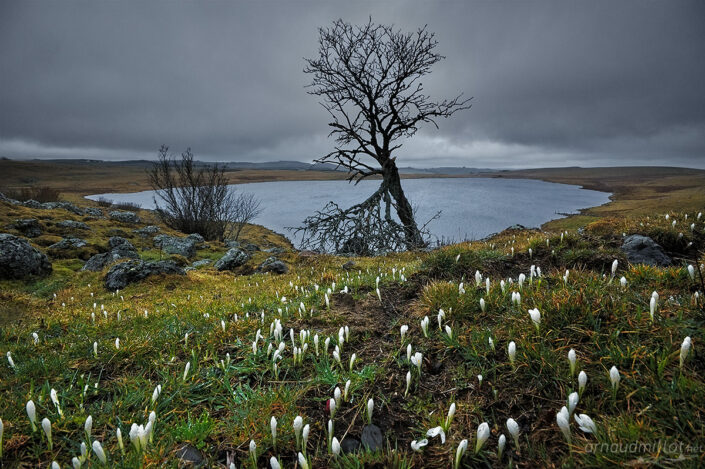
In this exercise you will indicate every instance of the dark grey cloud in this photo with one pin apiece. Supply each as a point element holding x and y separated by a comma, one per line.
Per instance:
<point>554,82</point>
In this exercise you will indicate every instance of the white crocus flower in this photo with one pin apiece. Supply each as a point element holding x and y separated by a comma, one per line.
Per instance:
<point>424,326</point>
<point>483,433</point>
<point>98,450</point>
<point>417,360</point>
<point>273,426</point>
<point>614,377</point>
<point>298,427</point>
<point>573,399</point>
<point>623,282</point>
<point>436,431</point>
<point>512,351</point>
<point>563,421</point>
<point>402,331</point>
<point>535,315</point>
<point>462,447</point>
<point>55,399</point>
<point>10,360</point>
<point>88,426</point>
<point>582,382</point>
<point>418,445</point>
<point>572,360</point>
<point>685,349</point>
<point>370,410</point>
<point>501,443</point>
<point>186,370</point>
<point>513,429</point>
<point>274,463</point>
<point>335,446</point>
<point>303,463</point>
<point>46,426</point>
<point>32,414</point>
<point>585,423</point>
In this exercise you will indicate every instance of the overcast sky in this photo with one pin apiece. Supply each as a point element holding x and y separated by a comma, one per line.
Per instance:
<point>554,83</point>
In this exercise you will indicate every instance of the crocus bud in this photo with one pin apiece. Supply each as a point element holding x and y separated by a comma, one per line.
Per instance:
<point>513,429</point>
<point>512,351</point>
<point>614,377</point>
<point>462,447</point>
<point>370,409</point>
<point>46,426</point>
<point>483,433</point>
<point>32,414</point>
<point>582,381</point>
<point>572,402</point>
<point>572,359</point>
<point>501,443</point>
<point>685,349</point>
<point>98,450</point>
<point>335,446</point>
<point>562,419</point>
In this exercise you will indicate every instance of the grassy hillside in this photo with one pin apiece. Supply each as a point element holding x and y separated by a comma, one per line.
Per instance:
<point>205,339</point>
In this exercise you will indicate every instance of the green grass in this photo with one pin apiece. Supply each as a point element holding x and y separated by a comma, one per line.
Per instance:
<point>223,404</point>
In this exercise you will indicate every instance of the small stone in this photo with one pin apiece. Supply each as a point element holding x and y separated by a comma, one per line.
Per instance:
<point>350,445</point>
<point>232,259</point>
<point>28,227</point>
<point>274,265</point>
<point>188,454</point>
<point>349,265</point>
<point>124,217</point>
<point>372,437</point>
<point>73,225</point>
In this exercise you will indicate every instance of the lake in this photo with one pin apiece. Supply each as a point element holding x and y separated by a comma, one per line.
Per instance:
<point>471,208</point>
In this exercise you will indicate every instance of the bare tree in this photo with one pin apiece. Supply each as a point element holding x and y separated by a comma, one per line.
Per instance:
<point>368,79</point>
<point>197,198</point>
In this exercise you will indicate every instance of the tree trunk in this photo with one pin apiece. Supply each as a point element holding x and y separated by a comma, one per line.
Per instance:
<point>405,213</point>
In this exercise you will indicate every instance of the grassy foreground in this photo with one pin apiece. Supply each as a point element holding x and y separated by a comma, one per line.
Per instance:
<point>220,347</point>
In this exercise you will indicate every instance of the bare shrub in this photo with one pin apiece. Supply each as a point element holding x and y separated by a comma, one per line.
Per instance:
<point>194,197</point>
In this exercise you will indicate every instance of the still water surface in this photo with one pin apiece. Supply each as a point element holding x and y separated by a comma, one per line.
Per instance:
<point>471,208</point>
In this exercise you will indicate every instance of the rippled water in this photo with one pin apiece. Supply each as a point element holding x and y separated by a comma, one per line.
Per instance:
<point>471,208</point>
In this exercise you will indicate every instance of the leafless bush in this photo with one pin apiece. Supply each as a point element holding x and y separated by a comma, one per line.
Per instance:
<point>196,198</point>
<point>40,194</point>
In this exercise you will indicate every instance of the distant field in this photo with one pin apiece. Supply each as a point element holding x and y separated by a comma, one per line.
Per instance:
<point>635,191</point>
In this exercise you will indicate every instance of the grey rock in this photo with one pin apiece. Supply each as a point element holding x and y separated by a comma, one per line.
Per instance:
<point>349,445</point>
<point>172,245</point>
<point>100,261</point>
<point>31,204</point>
<point>372,437</point>
<point>6,199</point>
<point>516,227</point>
<point>644,250</point>
<point>189,455</point>
<point>120,242</point>
<point>28,227</point>
<point>201,263</point>
<point>189,269</point>
<point>250,247</point>
<point>73,225</point>
<point>125,273</point>
<point>65,205</point>
<point>349,265</point>
<point>68,243</point>
<point>275,250</point>
<point>124,217</point>
<point>147,230</point>
<point>274,265</point>
<point>231,243</point>
<point>233,258</point>
<point>94,212</point>
<point>196,238</point>
<point>19,260</point>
